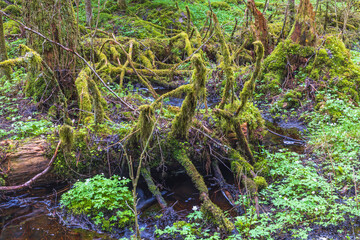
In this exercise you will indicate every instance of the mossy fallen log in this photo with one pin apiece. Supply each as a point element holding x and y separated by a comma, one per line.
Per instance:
<point>26,160</point>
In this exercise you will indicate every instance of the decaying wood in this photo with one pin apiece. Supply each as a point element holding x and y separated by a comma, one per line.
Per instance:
<point>28,162</point>
<point>261,28</point>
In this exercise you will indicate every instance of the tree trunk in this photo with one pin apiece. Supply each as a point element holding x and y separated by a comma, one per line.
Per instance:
<point>3,54</point>
<point>303,32</point>
<point>89,14</point>
<point>261,30</point>
<point>56,20</point>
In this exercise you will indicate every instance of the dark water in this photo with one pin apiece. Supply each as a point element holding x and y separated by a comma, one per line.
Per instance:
<point>33,214</point>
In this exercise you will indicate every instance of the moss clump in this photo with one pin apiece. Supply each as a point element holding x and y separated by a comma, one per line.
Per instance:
<point>11,27</point>
<point>260,182</point>
<point>67,137</point>
<point>275,65</point>
<point>13,10</point>
<point>333,63</point>
<point>221,5</point>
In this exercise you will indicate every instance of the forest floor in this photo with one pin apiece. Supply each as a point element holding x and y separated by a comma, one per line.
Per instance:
<point>308,149</point>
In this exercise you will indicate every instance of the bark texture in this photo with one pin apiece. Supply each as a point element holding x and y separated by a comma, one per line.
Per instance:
<point>303,31</point>
<point>28,160</point>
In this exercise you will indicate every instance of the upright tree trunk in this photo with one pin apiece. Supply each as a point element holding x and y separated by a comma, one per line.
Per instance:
<point>56,20</point>
<point>303,32</point>
<point>3,54</point>
<point>261,30</point>
<point>89,14</point>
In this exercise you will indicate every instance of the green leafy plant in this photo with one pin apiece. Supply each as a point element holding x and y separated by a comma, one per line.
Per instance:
<point>101,199</point>
<point>194,228</point>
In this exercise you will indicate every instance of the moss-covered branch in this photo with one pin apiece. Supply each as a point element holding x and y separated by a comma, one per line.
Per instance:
<point>226,64</point>
<point>249,86</point>
<point>182,121</point>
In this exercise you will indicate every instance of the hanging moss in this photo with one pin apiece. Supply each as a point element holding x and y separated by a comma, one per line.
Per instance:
<point>144,124</point>
<point>98,102</point>
<point>249,86</point>
<point>67,137</point>
<point>84,97</point>
<point>182,122</point>
<point>226,64</point>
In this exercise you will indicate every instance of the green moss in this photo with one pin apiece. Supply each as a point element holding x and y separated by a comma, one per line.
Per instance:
<point>11,27</point>
<point>249,86</point>
<point>67,137</point>
<point>3,4</point>
<point>98,102</point>
<point>152,187</point>
<point>239,165</point>
<point>84,97</point>
<point>261,167</point>
<point>215,215</point>
<point>260,182</point>
<point>226,64</point>
<point>186,43</point>
<point>144,124</point>
<point>52,112</point>
<point>182,122</point>
<point>250,185</point>
<point>13,10</point>
<point>181,156</point>
<point>290,99</point>
<point>220,5</point>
